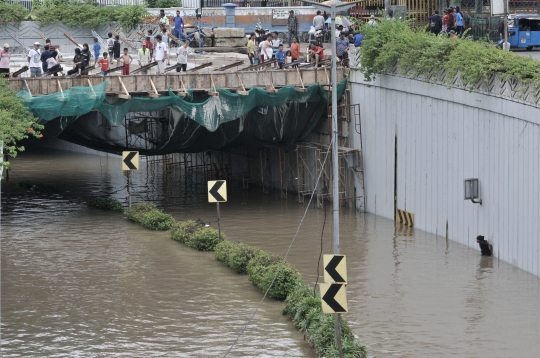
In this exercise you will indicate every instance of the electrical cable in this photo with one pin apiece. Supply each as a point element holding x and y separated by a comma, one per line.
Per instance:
<point>320,253</point>
<point>284,257</point>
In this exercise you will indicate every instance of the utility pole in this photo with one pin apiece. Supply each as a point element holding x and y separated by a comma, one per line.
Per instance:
<point>335,158</point>
<point>333,9</point>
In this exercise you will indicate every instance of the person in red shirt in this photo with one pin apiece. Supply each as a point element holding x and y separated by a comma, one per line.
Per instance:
<point>316,53</point>
<point>149,45</point>
<point>295,50</point>
<point>104,63</point>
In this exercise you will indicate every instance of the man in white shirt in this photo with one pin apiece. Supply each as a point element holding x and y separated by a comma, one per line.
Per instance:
<point>318,21</point>
<point>160,54</point>
<point>183,52</point>
<point>34,60</point>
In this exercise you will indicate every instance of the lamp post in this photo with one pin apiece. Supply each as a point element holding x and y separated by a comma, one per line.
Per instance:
<point>333,8</point>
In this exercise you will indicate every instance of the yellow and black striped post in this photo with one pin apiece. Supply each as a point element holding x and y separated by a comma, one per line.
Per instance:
<point>405,217</point>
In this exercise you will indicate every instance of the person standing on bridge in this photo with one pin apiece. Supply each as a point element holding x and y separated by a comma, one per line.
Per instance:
<point>292,26</point>
<point>160,54</point>
<point>435,23</point>
<point>485,247</point>
<point>318,21</point>
<point>178,26</point>
<point>78,63</point>
<point>144,57</point>
<point>33,59</point>
<point>5,56</point>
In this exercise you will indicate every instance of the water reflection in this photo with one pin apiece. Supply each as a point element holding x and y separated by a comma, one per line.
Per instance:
<point>89,283</point>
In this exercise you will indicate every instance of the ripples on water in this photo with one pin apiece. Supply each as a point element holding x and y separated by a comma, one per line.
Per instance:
<point>82,282</point>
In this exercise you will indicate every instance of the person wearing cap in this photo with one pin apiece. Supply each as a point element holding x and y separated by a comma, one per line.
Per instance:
<point>5,57</point>
<point>34,60</point>
<point>485,247</point>
<point>178,25</point>
<point>292,26</point>
<point>372,21</point>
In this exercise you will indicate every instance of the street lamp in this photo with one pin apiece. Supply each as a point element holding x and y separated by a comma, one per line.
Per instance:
<point>333,7</point>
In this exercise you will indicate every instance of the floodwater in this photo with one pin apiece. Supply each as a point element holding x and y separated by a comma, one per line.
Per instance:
<point>81,282</point>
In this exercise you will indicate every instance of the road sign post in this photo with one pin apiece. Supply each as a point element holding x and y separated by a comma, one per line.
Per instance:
<point>130,161</point>
<point>217,193</point>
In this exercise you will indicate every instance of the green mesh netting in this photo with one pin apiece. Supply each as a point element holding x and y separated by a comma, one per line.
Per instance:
<point>74,101</point>
<point>209,113</point>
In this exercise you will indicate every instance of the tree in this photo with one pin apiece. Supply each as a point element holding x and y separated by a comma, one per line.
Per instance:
<point>16,123</point>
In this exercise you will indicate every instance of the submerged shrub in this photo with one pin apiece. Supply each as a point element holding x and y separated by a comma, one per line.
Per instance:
<point>240,256</point>
<point>38,187</point>
<point>150,217</point>
<point>106,203</point>
<point>304,308</point>
<point>263,267</point>
<point>203,239</point>
<point>223,250</point>
<point>183,230</point>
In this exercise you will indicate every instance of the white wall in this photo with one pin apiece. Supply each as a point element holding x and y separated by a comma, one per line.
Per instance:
<point>445,136</point>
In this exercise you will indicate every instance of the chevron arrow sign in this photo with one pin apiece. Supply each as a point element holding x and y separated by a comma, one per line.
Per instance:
<point>335,269</point>
<point>333,298</point>
<point>130,160</point>
<point>217,191</point>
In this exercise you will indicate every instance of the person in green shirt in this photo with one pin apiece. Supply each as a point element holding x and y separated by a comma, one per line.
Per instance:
<point>251,49</point>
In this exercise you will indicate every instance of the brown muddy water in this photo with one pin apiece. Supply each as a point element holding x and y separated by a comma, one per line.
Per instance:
<point>81,282</point>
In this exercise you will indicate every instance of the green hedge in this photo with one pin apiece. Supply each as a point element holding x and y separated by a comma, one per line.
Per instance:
<point>303,306</point>
<point>106,203</point>
<point>263,267</point>
<point>150,217</point>
<point>419,53</point>
<point>183,230</point>
<point>77,14</point>
<point>195,236</point>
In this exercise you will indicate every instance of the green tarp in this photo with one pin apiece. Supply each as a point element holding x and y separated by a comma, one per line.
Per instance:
<point>209,113</point>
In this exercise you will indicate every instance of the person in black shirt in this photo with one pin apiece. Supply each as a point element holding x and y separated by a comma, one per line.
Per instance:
<point>78,63</point>
<point>435,23</point>
<point>116,48</point>
<point>85,53</point>
<point>44,57</point>
<point>485,247</point>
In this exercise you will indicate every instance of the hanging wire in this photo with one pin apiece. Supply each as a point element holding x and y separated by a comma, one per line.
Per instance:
<point>283,260</point>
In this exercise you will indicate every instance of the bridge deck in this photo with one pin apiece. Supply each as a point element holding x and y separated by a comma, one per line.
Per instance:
<point>142,84</point>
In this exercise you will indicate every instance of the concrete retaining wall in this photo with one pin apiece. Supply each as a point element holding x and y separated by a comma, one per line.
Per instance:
<point>443,137</point>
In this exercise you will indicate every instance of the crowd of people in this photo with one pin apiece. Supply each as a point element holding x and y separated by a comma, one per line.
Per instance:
<point>263,46</point>
<point>451,23</point>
